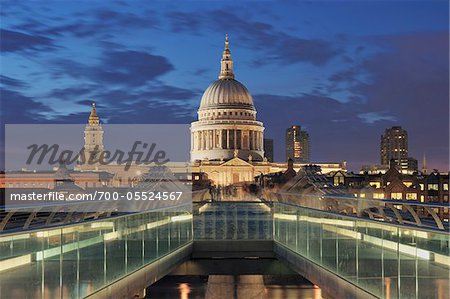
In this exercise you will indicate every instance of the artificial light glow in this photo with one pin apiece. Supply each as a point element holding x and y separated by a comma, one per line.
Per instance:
<point>15,262</point>
<point>285,216</point>
<point>181,218</point>
<point>110,236</point>
<point>103,224</point>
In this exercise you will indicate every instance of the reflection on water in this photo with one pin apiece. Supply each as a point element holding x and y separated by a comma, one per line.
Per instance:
<point>233,287</point>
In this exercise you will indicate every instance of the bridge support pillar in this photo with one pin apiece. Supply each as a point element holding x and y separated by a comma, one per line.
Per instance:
<point>235,287</point>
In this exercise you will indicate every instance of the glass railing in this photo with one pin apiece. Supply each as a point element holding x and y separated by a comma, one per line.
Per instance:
<point>228,220</point>
<point>72,261</point>
<point>385,259</point>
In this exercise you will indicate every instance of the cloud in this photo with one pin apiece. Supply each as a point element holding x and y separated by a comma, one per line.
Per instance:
<point>18,108</point>
<point>116,67</point>
<point>372,117</point>
<point>184,22</point>
<point>171,93</point>
<point>92,22</point>
<point>277,45</point>
<point>11,82</point>
<point>14,41</point>
<point>131,68</point>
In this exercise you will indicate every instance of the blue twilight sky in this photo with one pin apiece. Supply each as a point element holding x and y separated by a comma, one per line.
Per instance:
<point>344,71</point>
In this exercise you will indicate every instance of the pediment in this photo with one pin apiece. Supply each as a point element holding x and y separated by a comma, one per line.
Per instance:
<point>236,162</point>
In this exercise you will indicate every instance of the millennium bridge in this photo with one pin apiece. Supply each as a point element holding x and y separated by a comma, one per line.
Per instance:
<point>350,248</point>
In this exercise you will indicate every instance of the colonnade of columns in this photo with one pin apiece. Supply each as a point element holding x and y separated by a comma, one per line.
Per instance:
<point>227,139</point>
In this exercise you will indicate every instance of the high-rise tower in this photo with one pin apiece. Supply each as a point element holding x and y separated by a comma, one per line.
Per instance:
<point>394,145</point>
<point>297,145</point>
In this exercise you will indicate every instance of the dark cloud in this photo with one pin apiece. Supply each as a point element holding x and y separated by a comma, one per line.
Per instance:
<point>149,113</point>
<point>13,41</point>
<point>278,46</point>
<point>184,22</point>
<point>99,22</point>
<point>12,83</point>
<point>18,108</point>
<point>292,49</point>
<point>201,71</point>
<point>131,68</point>
<point>171,93</point>
<point>121,67</point>
<point>69,93</point>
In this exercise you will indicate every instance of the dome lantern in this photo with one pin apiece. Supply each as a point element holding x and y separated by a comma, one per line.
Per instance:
<point>226,63</point>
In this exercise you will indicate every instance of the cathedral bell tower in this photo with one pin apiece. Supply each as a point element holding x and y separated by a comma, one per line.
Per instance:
<point>93,136</point>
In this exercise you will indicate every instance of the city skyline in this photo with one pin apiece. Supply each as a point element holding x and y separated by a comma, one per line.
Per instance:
<point>303,63</point>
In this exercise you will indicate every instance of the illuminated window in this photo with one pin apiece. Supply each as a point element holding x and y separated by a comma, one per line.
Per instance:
<point>422,187</point>
<point>445,186</point>
<point>407,184</point>
<point>338,179</point>
<point>362,195</point>
<point>375,184</point>
<point>422,198</point>
<point>378,195</point>
<point>411,196</point>
<point>433,186</point>
<point>397,195</point>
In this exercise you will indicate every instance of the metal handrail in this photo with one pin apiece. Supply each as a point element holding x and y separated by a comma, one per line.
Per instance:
<point>361,206</point>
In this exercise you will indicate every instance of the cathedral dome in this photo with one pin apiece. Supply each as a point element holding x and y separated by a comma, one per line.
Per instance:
<point>227,127</point>
<point>226,93</point>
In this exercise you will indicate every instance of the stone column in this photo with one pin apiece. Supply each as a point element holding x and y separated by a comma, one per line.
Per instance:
<point>262,140</point>
<point>210,139</point>
<point>204,140</point>
<point>258,141</point>
<point>250,286</point>
<point>220,287</point>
